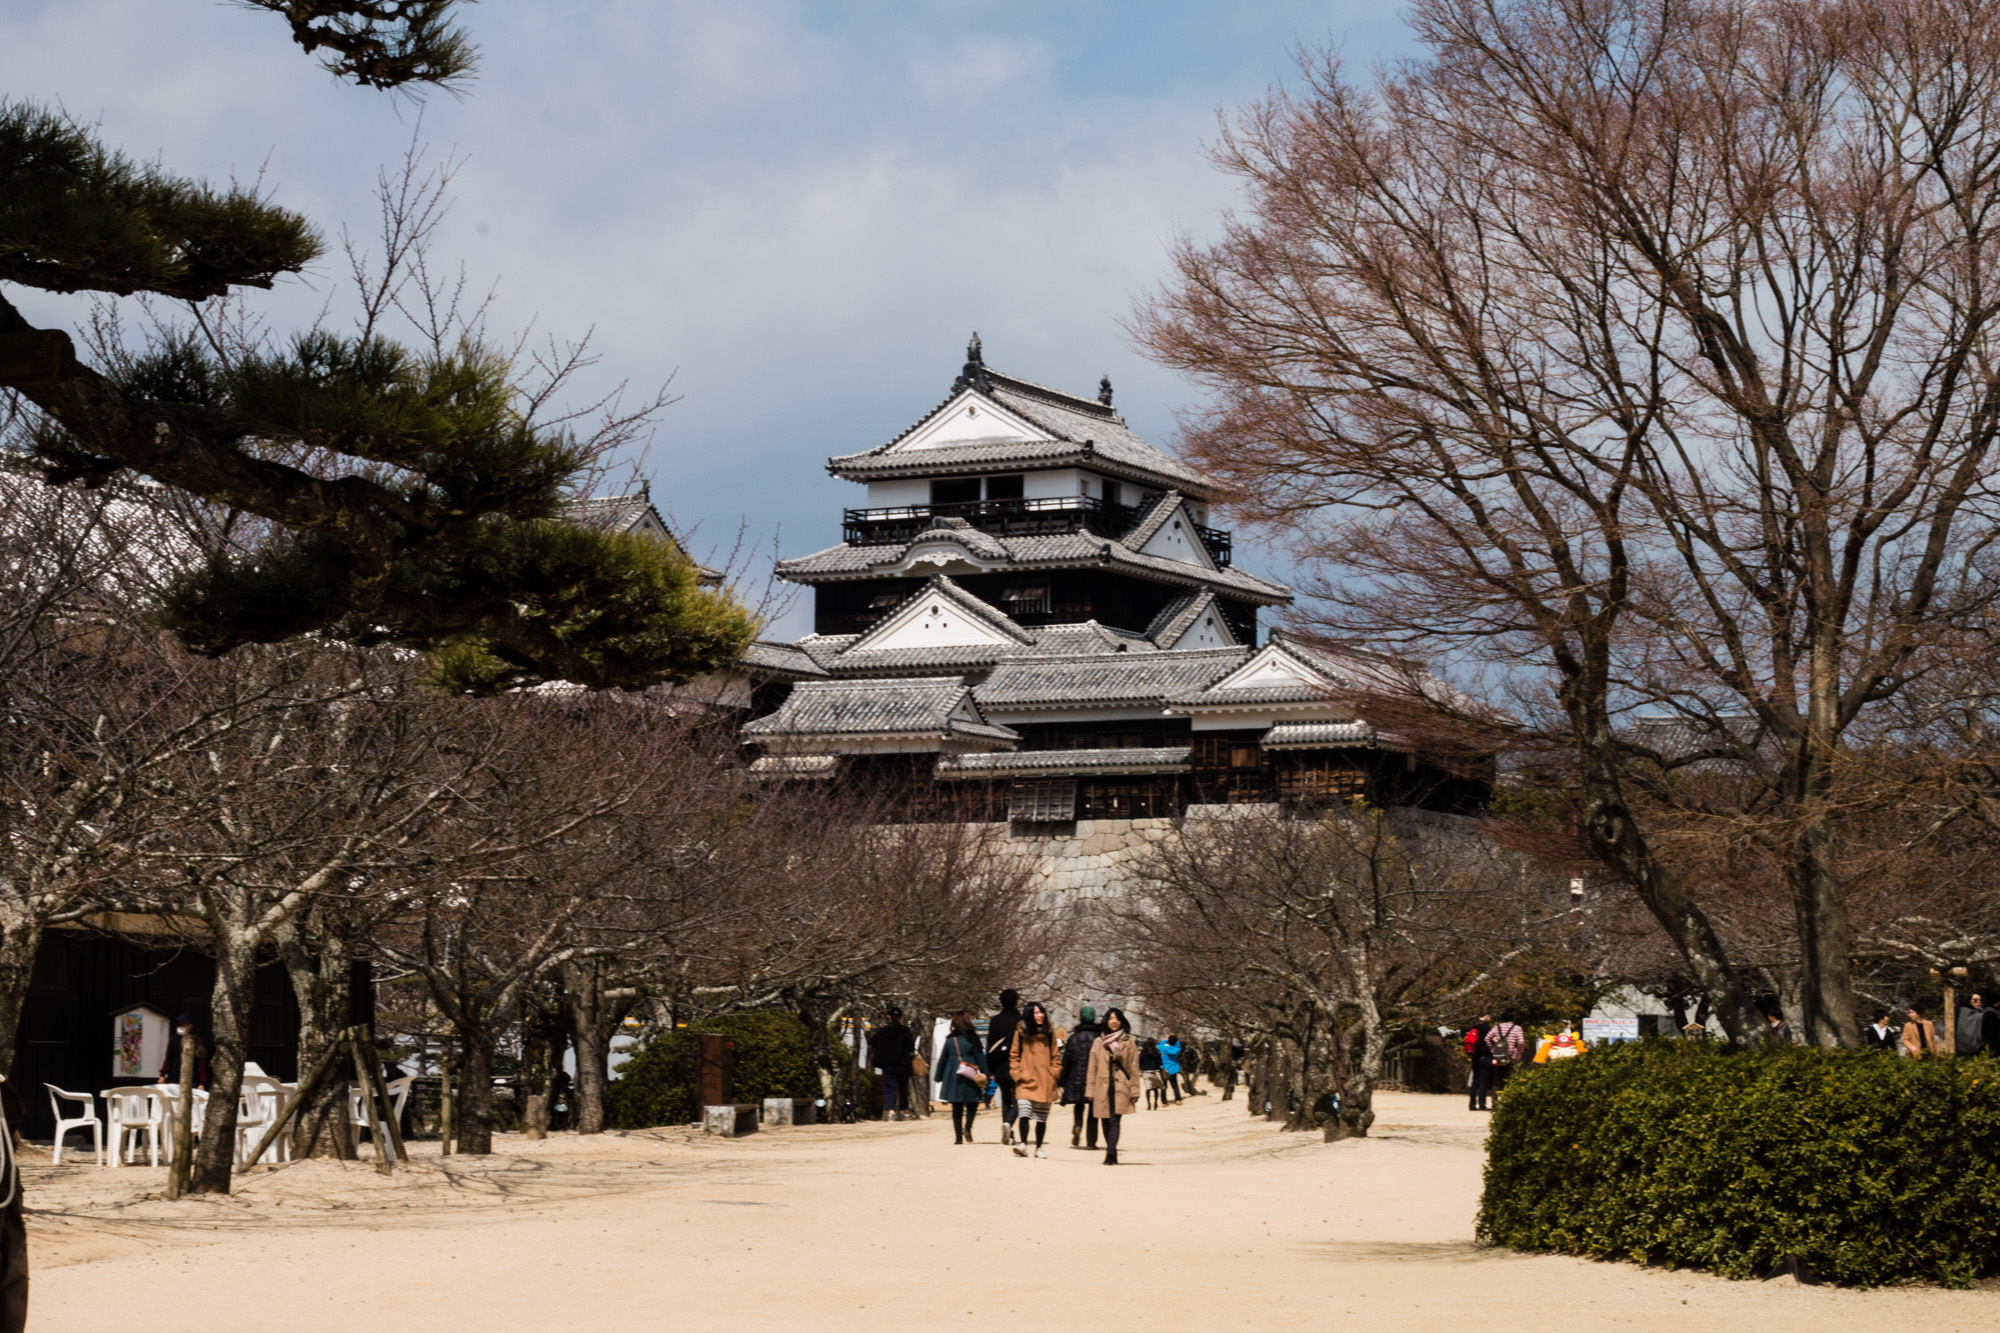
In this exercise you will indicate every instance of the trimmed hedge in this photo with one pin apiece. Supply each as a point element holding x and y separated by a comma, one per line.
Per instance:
<point>1869,1167</point>
<point>657,1086</point>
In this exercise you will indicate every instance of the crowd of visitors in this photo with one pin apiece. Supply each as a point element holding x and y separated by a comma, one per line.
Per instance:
<point>1495,1048</point>
<point>1027,1066</point>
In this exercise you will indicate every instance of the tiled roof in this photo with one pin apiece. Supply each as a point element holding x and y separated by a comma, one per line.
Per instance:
<point>1087,637</point>
<point>1066,550</point>
<point>1157,513</point>
<point>962,532</point>
<point>919,707</point>
<point>1318,735</point>
<point>1177,618</point>
<point>781,659</point>
<point>1116,678</point>
<point>1080,430</point>
<point>630,513</point>
<point>1055,763</point>
<point>794,765</point>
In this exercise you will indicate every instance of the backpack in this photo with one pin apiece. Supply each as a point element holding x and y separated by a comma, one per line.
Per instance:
<point>1497,1044</point>
<point>1971,1030</point>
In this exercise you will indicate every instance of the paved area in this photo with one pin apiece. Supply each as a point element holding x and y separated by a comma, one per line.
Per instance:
<point>1213,1222</point>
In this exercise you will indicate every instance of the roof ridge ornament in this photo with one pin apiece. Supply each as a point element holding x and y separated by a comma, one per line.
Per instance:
<point>1104,391</point>
<point>974,375</point>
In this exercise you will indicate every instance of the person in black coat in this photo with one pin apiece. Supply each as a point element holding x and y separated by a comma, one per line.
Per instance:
<point>891,1047</point>
<point>1482,1064</point>
<point>1075,1070</point>
<point>999,1054</point>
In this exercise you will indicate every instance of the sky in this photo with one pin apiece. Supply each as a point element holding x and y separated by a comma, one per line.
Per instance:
<point>796,212</point>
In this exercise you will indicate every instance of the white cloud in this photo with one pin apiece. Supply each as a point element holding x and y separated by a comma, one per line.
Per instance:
<point>802,211</point>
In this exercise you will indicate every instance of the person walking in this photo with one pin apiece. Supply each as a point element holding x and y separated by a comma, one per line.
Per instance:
<point>961,1075</point>
<point>1075,1071</point>
<point>1036,1070</point>
<point>1919,1036</point>
<point>1881,1035</point>
<point>999,1050</point>
<point>891,1047</point>
<point>1482,1064</point>
<point>1113,1080</point>
<point>1978,1027</point>
<point>1506,1044</point>
<point>1170,1064</point>
<point>1150,1073</point>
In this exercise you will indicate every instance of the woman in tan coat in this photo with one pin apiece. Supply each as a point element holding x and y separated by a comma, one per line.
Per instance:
<point>1036,1066</point>
<point>1919,1036</point>
<point>1113,1081</point>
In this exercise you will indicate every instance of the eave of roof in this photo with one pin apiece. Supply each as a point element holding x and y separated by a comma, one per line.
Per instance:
<point>1158,759</point>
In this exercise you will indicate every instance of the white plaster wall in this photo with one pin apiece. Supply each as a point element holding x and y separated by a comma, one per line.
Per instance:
<point>1051,483</point>
<point>900,491</point>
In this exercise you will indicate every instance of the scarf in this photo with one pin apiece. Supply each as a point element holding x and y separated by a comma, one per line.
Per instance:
<point>1109,1041</point>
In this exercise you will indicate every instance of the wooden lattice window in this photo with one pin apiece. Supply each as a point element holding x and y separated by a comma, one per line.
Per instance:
<point>1140,799</point>
<point>1321,781</point>
<point>1042,802</point>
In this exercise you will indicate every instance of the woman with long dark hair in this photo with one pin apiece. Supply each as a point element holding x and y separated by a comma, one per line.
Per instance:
<point>1036,1066</point>
<point>1113,1081</point>
<point>961,1075</point>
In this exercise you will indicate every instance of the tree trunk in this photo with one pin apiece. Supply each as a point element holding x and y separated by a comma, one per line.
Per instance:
<point>320,985</point>
<point>539,1042</point>
<point>20,941</point>
<point>229,1016</point>
<point>475,1102</point>
<point>1365,1047</point>
<point>1614,836</point>
<point>593,1018</point>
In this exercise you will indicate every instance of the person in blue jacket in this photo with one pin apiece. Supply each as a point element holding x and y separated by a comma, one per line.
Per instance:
<point>1170,1063</point>
<point>962,1048</point>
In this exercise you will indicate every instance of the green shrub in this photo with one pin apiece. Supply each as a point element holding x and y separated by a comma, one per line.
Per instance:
<point>1871,1168</point>
<point>657,1086</point>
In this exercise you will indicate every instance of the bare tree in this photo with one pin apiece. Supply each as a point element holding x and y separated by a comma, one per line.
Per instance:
<point>1645,355</point>
<point>1328,935</point>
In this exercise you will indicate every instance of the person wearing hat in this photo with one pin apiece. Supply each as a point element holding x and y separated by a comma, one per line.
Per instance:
<point>890,1049</point>
<point>1076,1070</point>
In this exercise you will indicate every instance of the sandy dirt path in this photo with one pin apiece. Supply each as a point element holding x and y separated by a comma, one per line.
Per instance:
<point>1212,1222</point>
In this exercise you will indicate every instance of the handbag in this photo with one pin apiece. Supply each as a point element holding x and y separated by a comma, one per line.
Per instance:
<point>971,1073</point>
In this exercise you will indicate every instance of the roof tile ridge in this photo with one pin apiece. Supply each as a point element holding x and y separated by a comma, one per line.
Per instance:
<point>1053,396</point>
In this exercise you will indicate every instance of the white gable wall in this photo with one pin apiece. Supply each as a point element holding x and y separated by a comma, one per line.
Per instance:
<point>1209,630</point>
<point>969,419</point>
<point>932,621</point>
<point>1176,540</point>
<point>1270,667</point>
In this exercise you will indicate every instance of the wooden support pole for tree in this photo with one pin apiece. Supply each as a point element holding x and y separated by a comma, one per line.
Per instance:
<point>182,1166</point>
<point>445,1105</point>
<point>381,1086</point>
<point>384,1164</point>
<point>299,1098</point>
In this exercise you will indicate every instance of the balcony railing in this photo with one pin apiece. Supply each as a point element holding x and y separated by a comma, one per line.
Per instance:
<point>1009,518</point>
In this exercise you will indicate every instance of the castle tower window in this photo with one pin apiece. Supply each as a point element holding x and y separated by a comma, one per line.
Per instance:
<point>1005,488</point>
<point>1042,802</point>
<point>955,491</point>
<point>1028,601</point>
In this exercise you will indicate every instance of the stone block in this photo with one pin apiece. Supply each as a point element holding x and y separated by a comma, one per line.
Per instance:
<point>787,1111</point>
<point>731,1122</point>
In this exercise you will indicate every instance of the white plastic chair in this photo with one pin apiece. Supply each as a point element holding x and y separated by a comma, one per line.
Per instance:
<point>64,1125</point>
<point>170,1096</point>
<point>134,1112</point>
<point>260,1105</point>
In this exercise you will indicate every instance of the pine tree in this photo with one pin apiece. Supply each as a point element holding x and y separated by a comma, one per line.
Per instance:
<point>407,499</point>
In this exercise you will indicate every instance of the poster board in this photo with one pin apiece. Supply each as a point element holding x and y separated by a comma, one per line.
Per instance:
<point>139,1042</point>
<point>1610,1029</point>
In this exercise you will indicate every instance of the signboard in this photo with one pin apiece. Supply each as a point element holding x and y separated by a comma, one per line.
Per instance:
<point>138,1042</point>
<point>1610,1029</point>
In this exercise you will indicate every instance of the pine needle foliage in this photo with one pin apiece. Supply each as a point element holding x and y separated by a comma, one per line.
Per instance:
<point>1870,1168</point>
<point>77,217</point>
<point>386,44</point>
<point>404,499</point>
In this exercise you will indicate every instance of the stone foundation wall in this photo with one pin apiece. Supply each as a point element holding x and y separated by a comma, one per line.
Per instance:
<point>1092,862</point>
